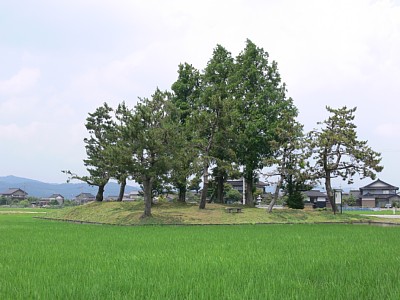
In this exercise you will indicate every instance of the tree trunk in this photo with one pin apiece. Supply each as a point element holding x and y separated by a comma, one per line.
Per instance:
<point>147,188</point>
<point>122,189</point>
<point>100,192</point>
<point>276,194</point>
<point>329,193</point>
<point>182,194</point>
<point>220,188</point>
<point>248,190</point>
<point>205,187</point>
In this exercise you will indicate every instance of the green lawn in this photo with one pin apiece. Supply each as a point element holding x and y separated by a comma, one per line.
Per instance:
<point>128,213</point>
<point>55,260</point>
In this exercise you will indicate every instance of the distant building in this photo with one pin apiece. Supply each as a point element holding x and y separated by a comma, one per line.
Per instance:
<point>84,198</point>
<point>15,193</point>
<point>133,196</point>
<point>57,197</point>
<point>238,185</point>
<point>378,194</point>
<point>315,198</point>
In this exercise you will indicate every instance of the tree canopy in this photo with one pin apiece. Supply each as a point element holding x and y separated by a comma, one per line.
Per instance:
<point>338,153</point>
<point>233,118</point>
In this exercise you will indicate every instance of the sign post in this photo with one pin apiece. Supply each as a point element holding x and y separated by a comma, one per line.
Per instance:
<point>338,199</point>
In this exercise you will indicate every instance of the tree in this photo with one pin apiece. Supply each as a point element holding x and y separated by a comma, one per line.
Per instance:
<point>338,153</point>
<point>260,100</point>
<point>186,94</point>
<point>289,159</point>
<point>101,128</point>
<point>121,168</point>
<point>349,200</point>
<point>217,83</point>
<point>151,142</point>
<point>295,198</point>
<point>233,195</point>
<point>194,184</point>
<point>214,112</point>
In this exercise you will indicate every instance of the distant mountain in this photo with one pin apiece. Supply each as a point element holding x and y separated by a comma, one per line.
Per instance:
<point>40,189</point>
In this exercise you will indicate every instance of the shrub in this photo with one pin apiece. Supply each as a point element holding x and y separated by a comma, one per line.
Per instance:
<point>54,202</point>
<point>233,195</point>
<point>3,200</point>
<point>24,203</point>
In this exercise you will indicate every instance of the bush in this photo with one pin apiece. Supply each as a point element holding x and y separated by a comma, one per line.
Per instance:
<point>54,202</point>
<point>70,203</point>
<point>24,203</point>
<point>295,200</point>
<point>3,200</point>
<point>233,196</point>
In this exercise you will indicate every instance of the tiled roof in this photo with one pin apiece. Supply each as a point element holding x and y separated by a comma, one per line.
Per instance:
<point>387,186</point>
<point>56,195</point>
<point>11,191</point>
<point>86,195</point>
<point>315,193</point>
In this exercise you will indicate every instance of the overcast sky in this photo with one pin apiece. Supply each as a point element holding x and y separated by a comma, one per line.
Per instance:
<point>60,60</point>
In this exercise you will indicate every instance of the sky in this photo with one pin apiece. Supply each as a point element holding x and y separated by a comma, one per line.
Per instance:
<point>60,60</point>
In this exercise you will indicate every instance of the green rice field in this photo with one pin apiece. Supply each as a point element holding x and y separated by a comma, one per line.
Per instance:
<point>41,259</point>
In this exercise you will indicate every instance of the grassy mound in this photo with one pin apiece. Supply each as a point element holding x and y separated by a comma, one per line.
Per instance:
<point>129,213</point>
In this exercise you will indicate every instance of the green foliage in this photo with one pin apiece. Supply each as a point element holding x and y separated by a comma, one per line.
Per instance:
<point>261,103</point>
<point>337,151</point>
<point>151,138</point>
<point>54,202</point>
<point>102,136</point>
<point>233,196</point>
<point>295,197</point>
<point>24,203</point>
<point>349,200</point>
<point>185,99</point>
<point>194,184</point>
<point>3,200</point>
<point>68,203</point>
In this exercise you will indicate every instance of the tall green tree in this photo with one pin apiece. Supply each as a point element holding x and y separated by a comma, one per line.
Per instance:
<point>295,198</point>
<point>101,128</point>
<point>213,113</point>
<point>186,95</point>
<point>122,167</point>
<point>289,159</point>
<point>151,142</point>
<point>338,153</point>
<point>260,99</point>
<point>217,83</point>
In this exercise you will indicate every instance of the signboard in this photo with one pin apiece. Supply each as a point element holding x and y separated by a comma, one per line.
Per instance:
<point>338,196</point>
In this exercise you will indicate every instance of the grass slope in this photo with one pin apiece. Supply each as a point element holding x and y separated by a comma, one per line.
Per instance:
<point>128,213</point>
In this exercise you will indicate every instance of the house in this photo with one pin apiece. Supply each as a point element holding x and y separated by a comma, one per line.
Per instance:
<point>84,198</point>
<point>378,194</point>
<point>133,196</point>
<point>15,193</point>
<point>316,198</point>
<point>57,197</point>
<point>238,185</point>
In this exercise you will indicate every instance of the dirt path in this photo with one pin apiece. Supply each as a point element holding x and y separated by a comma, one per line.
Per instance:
<point>385,216</point>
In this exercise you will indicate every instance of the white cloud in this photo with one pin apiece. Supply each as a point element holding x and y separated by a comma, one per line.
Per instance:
<point>388,130</point>
<point>13,134</point>
<point>25,79</point>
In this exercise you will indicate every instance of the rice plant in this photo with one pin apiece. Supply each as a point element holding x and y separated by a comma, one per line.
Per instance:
<point>53,260</point>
